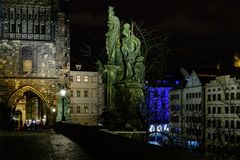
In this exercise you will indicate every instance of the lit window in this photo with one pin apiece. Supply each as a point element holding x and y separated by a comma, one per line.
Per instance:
<point>27,65</point>
<point>85,79</point>
<point>78,78</point>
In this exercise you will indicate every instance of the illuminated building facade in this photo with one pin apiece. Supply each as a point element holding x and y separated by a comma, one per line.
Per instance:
<point>175,97</point>
<point>157,102</point>
<point>187,111</point>
<point>156,112</point>
<point>34,57</point>
<point>222,113</point>
<point>86,97</point>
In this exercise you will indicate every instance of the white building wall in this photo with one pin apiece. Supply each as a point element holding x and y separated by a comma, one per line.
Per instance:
<point>190,113</point>
<point>192,116</point>
<point>176,115</point>
<point>221,109</point>
<point>86,105</point>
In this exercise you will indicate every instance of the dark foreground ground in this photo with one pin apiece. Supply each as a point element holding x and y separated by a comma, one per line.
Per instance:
<point>41,145</point>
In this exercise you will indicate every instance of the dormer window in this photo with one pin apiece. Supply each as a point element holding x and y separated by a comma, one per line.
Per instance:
<point>78,67</point>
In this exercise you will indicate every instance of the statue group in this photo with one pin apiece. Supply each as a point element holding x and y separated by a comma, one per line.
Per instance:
<point>123,50</point>
<point>124,72</point>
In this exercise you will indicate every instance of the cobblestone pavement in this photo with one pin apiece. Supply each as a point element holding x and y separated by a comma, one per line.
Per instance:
<point>42,145</point>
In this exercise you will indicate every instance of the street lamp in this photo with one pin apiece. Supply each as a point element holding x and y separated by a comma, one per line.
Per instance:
<point>63,93</point>
<point>53,110</point>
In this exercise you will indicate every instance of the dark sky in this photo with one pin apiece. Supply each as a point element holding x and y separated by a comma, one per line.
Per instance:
<point>203,32</point>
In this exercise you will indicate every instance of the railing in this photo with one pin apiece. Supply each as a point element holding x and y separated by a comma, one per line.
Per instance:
<point>103,145</point>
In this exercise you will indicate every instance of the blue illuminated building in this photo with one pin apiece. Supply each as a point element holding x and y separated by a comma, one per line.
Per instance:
<point>156,111</point>
<point>157,102</point>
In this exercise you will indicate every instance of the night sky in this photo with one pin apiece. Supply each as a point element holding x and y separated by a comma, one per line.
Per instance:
<point>203,32</point>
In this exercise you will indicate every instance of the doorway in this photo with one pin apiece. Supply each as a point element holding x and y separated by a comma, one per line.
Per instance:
<point>33,111</point>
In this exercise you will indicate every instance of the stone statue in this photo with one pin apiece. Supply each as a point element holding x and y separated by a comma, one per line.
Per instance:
<point>130,49</point>
<point>124,72</point>
<point>112,36</point>
<point>139,69</point>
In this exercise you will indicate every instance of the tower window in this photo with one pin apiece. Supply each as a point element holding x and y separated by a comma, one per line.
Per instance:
<point>27,60</point>
<point>27,65</point>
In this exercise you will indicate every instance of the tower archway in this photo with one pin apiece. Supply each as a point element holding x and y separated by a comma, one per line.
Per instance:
<point>13,100</point>
<point>33,105</point>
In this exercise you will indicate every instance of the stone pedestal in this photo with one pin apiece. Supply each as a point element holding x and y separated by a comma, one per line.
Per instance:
<point>129,97</point>
<point>111,79</point>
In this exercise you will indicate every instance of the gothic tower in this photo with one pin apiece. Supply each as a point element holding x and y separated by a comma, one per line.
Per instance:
<point>34,58</point>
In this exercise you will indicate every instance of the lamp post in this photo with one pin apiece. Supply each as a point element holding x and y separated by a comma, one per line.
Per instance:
<point>63,93</point>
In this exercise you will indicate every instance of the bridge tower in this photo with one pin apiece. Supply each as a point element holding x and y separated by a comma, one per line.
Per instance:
<point>34,58</point>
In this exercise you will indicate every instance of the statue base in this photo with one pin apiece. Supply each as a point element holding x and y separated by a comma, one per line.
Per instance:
<point>129,97</point>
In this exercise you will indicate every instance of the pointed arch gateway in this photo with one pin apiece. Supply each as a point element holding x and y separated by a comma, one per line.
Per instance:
<point>40,113</point>
<point>15,97</point>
